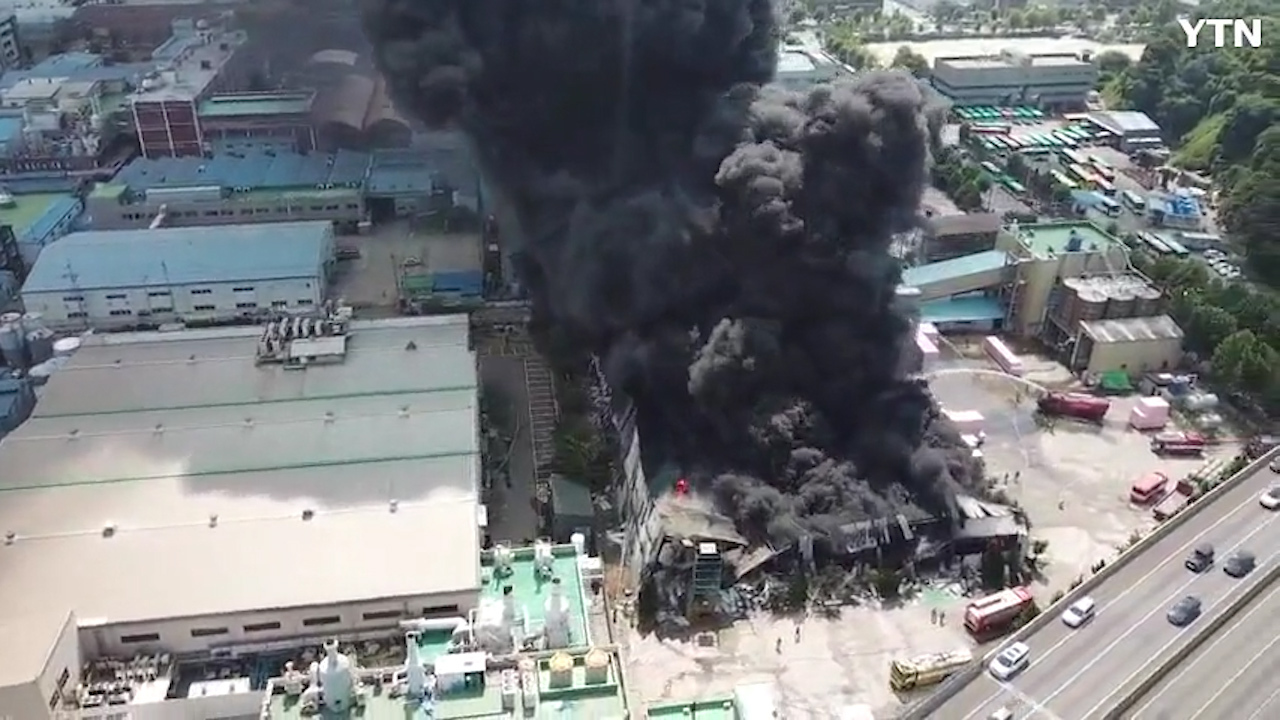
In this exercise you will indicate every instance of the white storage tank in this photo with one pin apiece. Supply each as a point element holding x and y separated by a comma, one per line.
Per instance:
<point>33,321</point>
<point>13,345</point>
<point>337,679</point>
<point>66,346</point>
<point>557,627</point>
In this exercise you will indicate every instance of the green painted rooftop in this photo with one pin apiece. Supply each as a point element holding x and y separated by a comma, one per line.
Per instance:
<point>27,209</point>
<point>577,700</point>
<point>1053,238</point>
<point>265,103</point>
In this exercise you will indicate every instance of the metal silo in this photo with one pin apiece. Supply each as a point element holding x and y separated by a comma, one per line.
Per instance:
<point>1148,301</point>
<point>1068,303</point>
<point>40,345</point>
<point>1121,300</point>
<point>13,345</point>
<point>1091,305</point>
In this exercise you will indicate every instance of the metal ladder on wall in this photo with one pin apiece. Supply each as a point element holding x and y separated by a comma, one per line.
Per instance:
<point>544,412</point>
<point>708,569</point>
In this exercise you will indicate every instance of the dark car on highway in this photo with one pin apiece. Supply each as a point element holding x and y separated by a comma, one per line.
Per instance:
<point>1240,563</point>
<point>1200,559</point>
<point>1184,611</point>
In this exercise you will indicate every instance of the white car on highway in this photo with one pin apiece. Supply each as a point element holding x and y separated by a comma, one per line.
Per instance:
<point>1011,661</point>
<point>1080,612</point>
<point>1270,498</point>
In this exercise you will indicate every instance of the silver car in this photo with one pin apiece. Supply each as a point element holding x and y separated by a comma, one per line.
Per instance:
<point>1080,612</point>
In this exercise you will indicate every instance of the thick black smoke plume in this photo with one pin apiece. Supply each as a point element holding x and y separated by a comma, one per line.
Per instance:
<point>721,245</point>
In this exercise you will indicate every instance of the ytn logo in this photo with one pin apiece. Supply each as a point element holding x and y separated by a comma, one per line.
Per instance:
<point>1247,33</point>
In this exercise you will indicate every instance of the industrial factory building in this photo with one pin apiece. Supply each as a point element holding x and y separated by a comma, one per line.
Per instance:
<point>220,491</point>
<point>196,62</point>
<point>1009,287</point>
<point>126,278</point>
<point>1014,78</point>
<point>1133,345</point>
<point>252,187</point>
<point>801,68</point>
<point>1134,130</point>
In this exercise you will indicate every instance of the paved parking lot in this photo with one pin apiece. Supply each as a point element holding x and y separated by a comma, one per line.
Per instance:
<point>369,281</point>
<point>1072,478</point>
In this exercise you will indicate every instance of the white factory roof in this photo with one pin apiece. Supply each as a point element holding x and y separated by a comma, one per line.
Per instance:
<point>28,641</point>
<point>154,433</point>
<point>1125,121</point>
<point>1139,329</point>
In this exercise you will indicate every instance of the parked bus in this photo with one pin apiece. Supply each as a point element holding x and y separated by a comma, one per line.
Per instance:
<point>1012,185</point>
<point>1175,247</point>
<point>990,129</point>
<point>1102,167</point>
<point>1105,186</point>
<point>1063,180</point>
<point>1084,176</point>
<point>1072,156</point>
<point>1013,142</point>
<point>990,167</point>
<point>924,670</point>
<point>1156,244</point>
<point>1110,207</point>
<point>1133,201</point>
<point>1065,139</point>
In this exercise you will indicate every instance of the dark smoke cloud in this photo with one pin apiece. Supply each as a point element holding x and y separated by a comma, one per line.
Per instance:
<point>722,246</point>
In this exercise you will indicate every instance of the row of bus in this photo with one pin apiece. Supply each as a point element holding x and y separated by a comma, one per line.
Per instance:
<point>998,134</point>
<point>1002,178</point>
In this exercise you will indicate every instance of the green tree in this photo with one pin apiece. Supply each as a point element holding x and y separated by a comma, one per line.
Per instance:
<point>1210,326</point>
<point>911,61</point>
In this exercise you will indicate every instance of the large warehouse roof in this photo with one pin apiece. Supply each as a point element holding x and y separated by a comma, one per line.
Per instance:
<point>163,257</point>
<point>155,434</point>
<point>255,170</point>
<point>1139,329</point>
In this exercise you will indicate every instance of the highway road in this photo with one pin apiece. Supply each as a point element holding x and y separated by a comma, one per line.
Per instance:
<point>1077,674</point>
<point>1233,675</point>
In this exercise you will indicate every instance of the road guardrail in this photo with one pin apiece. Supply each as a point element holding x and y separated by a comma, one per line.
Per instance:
<point>925,707</point>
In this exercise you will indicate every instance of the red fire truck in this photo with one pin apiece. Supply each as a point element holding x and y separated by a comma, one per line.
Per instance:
<point>1179,443</point>
<point>1074,405</point>
<point>998,613</point>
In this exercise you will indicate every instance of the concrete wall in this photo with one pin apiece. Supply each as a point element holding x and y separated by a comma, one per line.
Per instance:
<point>125,307</point>
<point>1134,357</point>
<point>344,207</point>
<point>1014,82</point>
<point>200,634</point>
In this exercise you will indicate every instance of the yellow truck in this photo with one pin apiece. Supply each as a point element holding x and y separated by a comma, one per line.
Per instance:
<point>927,669</point>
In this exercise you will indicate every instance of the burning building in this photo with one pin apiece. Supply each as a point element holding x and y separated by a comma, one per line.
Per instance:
<point>719,245</point>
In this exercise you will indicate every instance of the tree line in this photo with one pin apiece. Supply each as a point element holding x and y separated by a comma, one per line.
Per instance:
<point>1232,329</point>
<point>1220,109</point>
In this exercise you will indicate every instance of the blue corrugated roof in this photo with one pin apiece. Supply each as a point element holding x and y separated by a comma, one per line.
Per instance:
<point>966,309</point>
<point>66,63</point>
<point>126,72</point>
<point>58,211</point>
<point>180,256</point>
<point>955,268</point>
<point>10,129</point>
<point>257,171</point>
